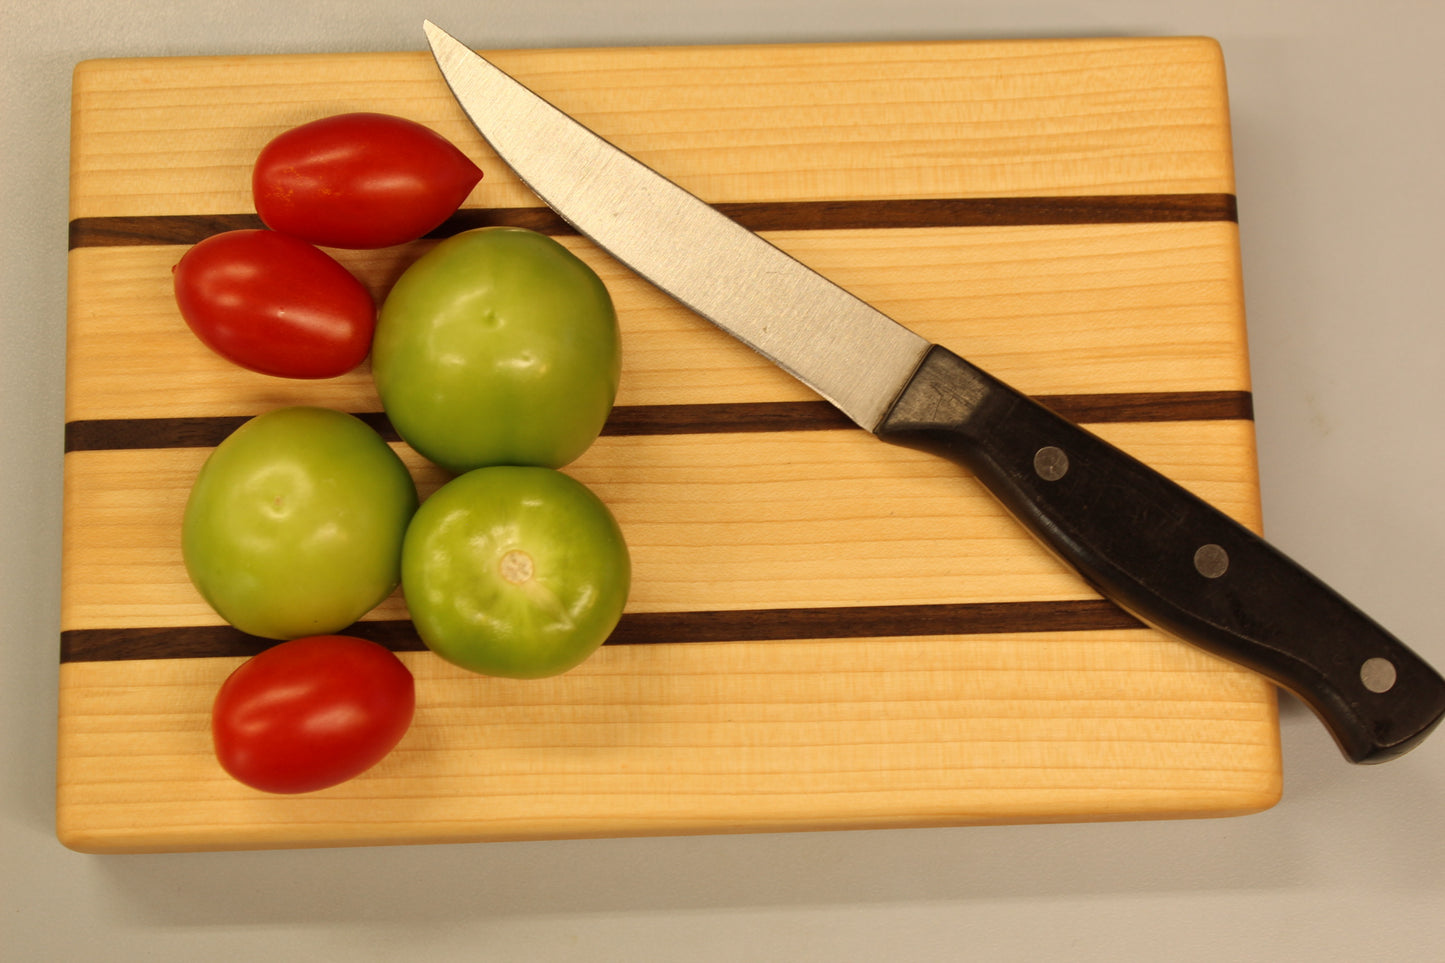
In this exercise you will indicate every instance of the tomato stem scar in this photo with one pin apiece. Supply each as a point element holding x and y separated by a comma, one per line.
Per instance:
<point>516,566</point>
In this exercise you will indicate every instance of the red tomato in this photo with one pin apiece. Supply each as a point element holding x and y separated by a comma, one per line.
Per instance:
<point>275,304</point>
<point>311,713</point>
<point>360,181</point>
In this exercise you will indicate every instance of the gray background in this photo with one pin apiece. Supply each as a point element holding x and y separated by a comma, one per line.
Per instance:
<point>1338,138</point>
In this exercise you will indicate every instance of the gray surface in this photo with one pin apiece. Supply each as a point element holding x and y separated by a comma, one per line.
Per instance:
<point>1338,140</point>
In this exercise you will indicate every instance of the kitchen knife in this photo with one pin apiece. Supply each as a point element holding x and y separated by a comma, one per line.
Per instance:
<point>1139,539</point>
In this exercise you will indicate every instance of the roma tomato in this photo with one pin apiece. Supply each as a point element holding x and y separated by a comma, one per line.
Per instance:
<point>498,347</point>
<point>360,180</point>
<point>515,571</point>
<point>311,713</point>
<point>294,524</point>
<point>275,304</point>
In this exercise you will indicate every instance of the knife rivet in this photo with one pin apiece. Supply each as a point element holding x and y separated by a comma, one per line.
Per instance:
<point>1051,463</point>
<point>1211,561</point>
<point>1378,674</point>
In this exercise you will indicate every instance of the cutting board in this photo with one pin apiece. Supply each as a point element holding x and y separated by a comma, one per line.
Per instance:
<point>825,632</point>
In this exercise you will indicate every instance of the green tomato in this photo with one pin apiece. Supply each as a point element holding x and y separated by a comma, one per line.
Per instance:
<point>497,347</point>
<point>295,523</point>
<point>515,571</point>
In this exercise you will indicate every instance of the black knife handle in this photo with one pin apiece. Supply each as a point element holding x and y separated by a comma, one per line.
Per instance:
<point>1171,559</point>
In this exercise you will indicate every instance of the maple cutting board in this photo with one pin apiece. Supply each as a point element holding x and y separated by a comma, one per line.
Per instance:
<point>825,631</point>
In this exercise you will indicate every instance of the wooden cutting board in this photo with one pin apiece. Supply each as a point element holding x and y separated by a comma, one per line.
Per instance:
<point>825,632</point>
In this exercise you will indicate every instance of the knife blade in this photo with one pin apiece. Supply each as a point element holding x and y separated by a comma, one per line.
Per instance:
<point>1137,538</point>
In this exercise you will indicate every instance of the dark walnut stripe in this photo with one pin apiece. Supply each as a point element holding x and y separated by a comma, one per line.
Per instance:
<point>756,216</point>
<point>652,628</point>
<point>760,416</point>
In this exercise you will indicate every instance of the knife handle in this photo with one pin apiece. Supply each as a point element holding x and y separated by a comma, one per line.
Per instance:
<point>1171,559</point>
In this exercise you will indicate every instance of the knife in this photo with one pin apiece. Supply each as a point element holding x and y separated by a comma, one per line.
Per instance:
<point>1139,539</point>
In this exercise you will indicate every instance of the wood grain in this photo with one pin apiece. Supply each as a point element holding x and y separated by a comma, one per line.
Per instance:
<point>714,522</point>
<point>1053,309</point>
<point>672,739</point>
<point>1024,118</point>
<point>825,632</point>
